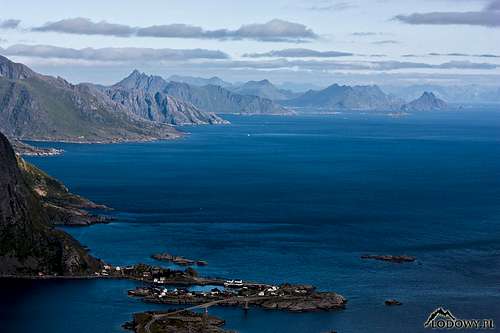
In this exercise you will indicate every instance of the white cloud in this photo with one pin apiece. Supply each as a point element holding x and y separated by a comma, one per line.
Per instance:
<point>274,30</point>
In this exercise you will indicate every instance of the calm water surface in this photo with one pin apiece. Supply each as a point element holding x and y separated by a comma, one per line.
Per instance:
<point>295,199</point>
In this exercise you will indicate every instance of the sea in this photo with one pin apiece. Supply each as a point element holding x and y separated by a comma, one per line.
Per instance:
<point>294,199</point>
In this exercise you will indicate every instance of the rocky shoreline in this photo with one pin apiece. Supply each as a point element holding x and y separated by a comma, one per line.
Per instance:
<point>24,149</point>
<point>62,206</point>
<point>175,321</point>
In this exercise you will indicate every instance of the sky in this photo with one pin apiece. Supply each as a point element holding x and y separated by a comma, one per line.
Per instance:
<point>316,42</point>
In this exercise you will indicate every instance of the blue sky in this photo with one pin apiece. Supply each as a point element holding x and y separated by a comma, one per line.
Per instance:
<point>315,41</point>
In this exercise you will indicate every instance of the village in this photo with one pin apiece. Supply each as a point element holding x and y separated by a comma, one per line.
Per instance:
<point>295,298</point>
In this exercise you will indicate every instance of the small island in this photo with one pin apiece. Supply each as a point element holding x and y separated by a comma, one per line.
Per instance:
<point>178,260</point>
<point>175,321</point>
<point>390,258</point>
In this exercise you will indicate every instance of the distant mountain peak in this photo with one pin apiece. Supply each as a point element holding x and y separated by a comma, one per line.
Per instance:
<point>141,80</point>
<point>265,89</point>
<point>343,97</point>
<point>427,102</point>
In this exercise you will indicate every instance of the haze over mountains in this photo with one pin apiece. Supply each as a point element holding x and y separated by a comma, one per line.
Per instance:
<point>457,94</point>
<point>200,82</point>
<point>336,97</point>
<point>145,107</point>
<point>264,89</point>
<point>427,102</point>
<point>362,98</point>
<point>332,98</point>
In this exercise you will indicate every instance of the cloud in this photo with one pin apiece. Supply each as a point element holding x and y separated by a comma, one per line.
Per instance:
<point>455,54</point>
<point>203,60</point>
<point>364,34</point>
<point>111,54</point>
<point>385,42</point>
<point>84,26</point>
<point>488,17</point>
<point>298,53</point>
<point>9,24</point>
<point>274,30</point>
<point>395,65</point>
<point>328,5</point>
<point>494,5</point>
<point>329,65</point>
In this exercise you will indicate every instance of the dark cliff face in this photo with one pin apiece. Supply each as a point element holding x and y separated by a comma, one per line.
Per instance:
<point>29,245</point>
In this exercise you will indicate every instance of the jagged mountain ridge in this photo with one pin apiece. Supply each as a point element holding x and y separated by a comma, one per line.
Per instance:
<point>144,96</point>
<point>40,107</point>
<point>210,99</point>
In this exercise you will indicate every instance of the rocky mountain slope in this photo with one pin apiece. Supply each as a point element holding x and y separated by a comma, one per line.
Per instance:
<point>61,206</point>
<point>264,89</point>
<point>144,96</point>
<point>427,102</point>
<point>39,107</point>
<point>336,97</point>
<point>195,100</point>
<point>29,245</point>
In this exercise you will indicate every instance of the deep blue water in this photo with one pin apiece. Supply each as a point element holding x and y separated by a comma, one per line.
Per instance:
<point>291,199</point>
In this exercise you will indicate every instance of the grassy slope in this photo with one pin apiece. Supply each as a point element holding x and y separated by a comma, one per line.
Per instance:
<point>68,113</point>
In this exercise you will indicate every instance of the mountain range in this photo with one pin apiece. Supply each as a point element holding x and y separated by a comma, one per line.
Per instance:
<point>361,98</point>
<point>139,108</point>
<point>336,97</point>
<point>145,107</point>
<point>145,96</point>
<point>210,98</point>
<point>471,94</point>
<point>40,107</point>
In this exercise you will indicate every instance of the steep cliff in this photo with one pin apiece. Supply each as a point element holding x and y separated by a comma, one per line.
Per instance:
<point>29,245</point>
